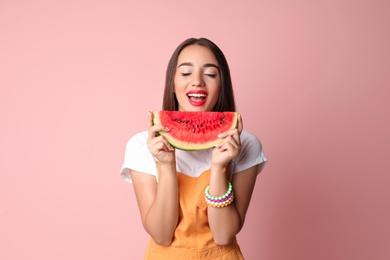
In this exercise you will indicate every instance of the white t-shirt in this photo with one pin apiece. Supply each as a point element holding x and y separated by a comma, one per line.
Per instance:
<point>191,163</point>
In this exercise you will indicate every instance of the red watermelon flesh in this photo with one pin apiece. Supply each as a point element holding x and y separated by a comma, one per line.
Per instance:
<point>194,130</point>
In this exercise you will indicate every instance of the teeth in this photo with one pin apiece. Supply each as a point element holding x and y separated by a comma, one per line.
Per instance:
<point>196,95</point>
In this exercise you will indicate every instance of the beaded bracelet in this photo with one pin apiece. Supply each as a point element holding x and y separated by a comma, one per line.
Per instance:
<point>220,204</point>
<point>221,201</point>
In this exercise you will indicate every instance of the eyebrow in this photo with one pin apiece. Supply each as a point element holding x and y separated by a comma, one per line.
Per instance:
<point>205,65</point>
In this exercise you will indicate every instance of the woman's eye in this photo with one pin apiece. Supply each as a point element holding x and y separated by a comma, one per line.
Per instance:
<point>211,75</point>
<point>186,74</point>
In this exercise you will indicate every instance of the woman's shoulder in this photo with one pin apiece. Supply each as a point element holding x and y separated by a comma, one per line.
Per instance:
<point>251,153</point>
<point>137,142</point>
<point>248,138</point>
<point>250,146</point>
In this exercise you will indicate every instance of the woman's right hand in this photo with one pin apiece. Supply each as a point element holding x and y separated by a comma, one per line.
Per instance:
<point>158,144</point>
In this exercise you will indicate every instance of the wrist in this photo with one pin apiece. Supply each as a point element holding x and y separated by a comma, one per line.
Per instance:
<point>218,168</point>
<point>167,165</point>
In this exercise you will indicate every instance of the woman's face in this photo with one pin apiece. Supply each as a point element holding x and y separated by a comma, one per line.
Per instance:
<point>197,80</point>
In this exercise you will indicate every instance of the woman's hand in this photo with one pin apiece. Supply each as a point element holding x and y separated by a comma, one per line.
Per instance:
<point>158,145</point>
<point>225,151</point>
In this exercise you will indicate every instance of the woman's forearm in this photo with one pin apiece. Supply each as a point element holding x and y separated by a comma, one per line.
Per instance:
<point>162,217</point>
<point>224,222</point>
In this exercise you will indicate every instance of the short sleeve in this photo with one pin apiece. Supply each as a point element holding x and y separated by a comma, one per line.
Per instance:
<point>137,157</point>
<point>251,153</point>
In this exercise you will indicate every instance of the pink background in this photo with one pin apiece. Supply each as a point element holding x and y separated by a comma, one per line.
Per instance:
<point>311,79</point>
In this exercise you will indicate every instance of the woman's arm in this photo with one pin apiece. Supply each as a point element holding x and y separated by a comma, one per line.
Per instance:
<point>225,223</point>
<point>158,203</point>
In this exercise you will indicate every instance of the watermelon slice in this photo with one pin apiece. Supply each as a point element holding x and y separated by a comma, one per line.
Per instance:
<point>194,130</point>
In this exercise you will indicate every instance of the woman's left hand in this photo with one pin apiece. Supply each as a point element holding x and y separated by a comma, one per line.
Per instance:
<point>230,146</point>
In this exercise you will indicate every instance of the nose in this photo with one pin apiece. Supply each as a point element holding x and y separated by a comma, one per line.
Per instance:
<point>197,80</point>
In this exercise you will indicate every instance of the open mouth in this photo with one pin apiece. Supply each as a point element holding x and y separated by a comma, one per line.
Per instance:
<point>197,98</point>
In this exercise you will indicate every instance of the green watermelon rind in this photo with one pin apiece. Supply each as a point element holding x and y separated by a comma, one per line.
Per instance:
<point>184,145</point>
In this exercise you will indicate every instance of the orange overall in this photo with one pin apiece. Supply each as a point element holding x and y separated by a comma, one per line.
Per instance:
<point>193,238</point>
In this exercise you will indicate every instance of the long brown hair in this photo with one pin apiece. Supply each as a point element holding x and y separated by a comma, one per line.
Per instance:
<point>226,95</point>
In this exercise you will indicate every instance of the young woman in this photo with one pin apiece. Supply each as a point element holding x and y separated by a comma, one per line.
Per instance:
<point>170,184</point>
